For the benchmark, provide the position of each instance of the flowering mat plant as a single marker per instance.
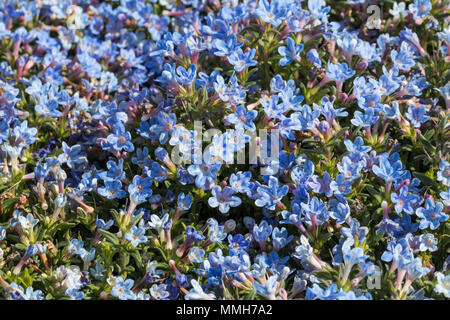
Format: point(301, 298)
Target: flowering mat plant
point(196, 149)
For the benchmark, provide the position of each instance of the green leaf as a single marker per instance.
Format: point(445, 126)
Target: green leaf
point(9, 202)
point(109, 236)
point(137, 257)
point(21, 246)
point(26, 279)
point(377, 195)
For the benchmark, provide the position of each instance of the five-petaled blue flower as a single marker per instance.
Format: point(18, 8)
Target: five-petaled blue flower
point(223, 199)
point(291, 52)
point(136, 236)
point(432, 215)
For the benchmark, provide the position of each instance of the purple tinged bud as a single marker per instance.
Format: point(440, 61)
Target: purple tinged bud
point(21, 61)
point(324, 126)
point(385, 208)
point(362, 65)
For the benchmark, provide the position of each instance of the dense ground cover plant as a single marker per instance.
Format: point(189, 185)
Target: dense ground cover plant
point(114, 184)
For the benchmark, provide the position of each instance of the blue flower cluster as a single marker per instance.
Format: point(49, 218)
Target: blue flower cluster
point(193, 149)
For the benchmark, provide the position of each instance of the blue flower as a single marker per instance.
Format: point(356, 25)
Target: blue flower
point(348, 42)
point(205, 174)
point(159, 292)
point(339, 71)
point(432, 215)
point(445, 90)
point(316, 7)
point(357, 146)
point(241, 60)
point(75, 246)
point(183, 176)
point(355, 231)
point(158, 172)
point(96, 25)
point(286, 126)
point(353, 256)
point(101, 224)
point(115, 171)
point(136, 236)
point(390, 81)
point(237, 243)
point(417, 115)
point(341, 186)
point(398, 10)
point(280, 238)
point(98, 271)
point(184, 76)
point(274, 12)
point(290, 53)
point(74, 294)
point(72, 155)
point(365, 119)
point(317, 293)
point(387, 171)
point(304, 251)
point(48, 108)
point(313, 57)
point(272, 108)
point(141, 158)
point(243, 119)
point(444, 173)
point(415, 86)
point(216, 232)
point(158, 223)
point(269, 289)
point(197, 293)
point(87, 255)
point(29, 222)
point(270, 195)
point(164, 126)
point(140, 189)
point(428, 242)
point(31, 294)
point(184, 202)
point(122, 289)
point(2, 233)
point(395, 251)
point(223, 199)
point(415, 270)
point(315, 211)
point(443, 284)
point(445, 195)
point(196, 254)
point(161, 154)
point(403, 60)
point(291, 100)
point(340, 212)
point(194, 235)
point(262, 232)
point(112, 190)
point(420, 8)
point(389, 226)
point(404, 202)
point(240, 181)
point(120, 139)
point(224, 48)
point(404, 226)
point(322, 185)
